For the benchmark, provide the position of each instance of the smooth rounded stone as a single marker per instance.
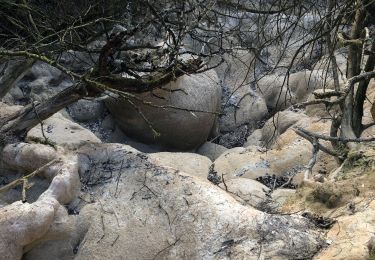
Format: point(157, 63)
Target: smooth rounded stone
point(43, 81)
point(190, 163)
point(108, 123)
point(54, 249)
point(41, 89)
point(249, 109)
point(288, 155)
point(251, 191)
point(175, 128)
point(16, 93)
point(255, 139)
point(7, 110)
point(65, 114)
point(78, 61)
point(118, 136)
point(320, 109)
point(241, 104)
point(25, 225)
point(154, 206)
point(278, 124)
point(281, 195)
point(280, 93)
point(350, 235)
point(28, 157)
point(253, 164)
point(86, 110)
point(40, 69)
point(160, 207)
point(211, 150)
point(61, 131)
point(32, 221)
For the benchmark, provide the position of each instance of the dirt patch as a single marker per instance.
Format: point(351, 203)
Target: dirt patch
point(354, 182)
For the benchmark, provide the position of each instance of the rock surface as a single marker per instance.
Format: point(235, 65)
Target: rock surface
point(254, 163)
point(28, 157)
point(280, 92)
point(241, 103)
point(250, 191)
point(61, 131)
point(174, 215)
point(211, 150)
point(190, 163)
point(288, 154)
point(86, 110)
point(278, 124)
point(170, 213)
point(177, 128)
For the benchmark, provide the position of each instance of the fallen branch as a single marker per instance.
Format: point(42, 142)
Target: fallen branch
point(311, 137)
point(337, 139)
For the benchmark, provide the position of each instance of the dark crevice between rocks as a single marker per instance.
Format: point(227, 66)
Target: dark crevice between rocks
point(212, 175)
point(273, 182)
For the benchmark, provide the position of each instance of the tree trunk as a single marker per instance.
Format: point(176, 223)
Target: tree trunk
point(33, 114)
point(360, 96)
point(353, 69)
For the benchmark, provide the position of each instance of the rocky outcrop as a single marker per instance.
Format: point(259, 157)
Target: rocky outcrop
point(26, 224)
point(172, 112)
point(211, 150)
point(86, 110)
point(41, 82)
point(61, 131)
point(277, 125)
point(131, 202)
point(280, 91)
point(241, 103)
point(191, 163)
point(174, 215)
point(288, 153)
point(251, 192)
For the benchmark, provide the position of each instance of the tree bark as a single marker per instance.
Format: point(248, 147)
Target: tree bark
point(360, 96)
point(353, 69)
point(33, 114)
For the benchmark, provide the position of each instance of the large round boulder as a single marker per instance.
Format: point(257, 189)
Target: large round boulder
point(241, 102)
point(280, 91)
point(172, 112)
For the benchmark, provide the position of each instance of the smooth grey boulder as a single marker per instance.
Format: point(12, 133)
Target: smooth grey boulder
point(172, 112)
